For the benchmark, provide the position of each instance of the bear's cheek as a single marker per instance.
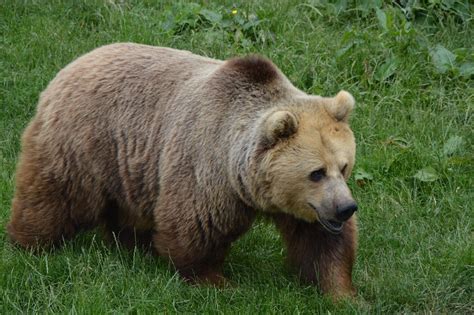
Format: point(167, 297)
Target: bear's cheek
point(306, 214)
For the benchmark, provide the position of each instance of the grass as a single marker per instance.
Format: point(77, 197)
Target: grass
point(412, 77)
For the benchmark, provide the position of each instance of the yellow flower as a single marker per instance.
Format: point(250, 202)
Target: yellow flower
point(234, 11)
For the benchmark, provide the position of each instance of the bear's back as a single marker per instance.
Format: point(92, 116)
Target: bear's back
point(123, 74)
point(106, 110)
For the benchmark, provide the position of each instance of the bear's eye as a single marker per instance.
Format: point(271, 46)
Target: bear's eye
point(317, 175)
point(343, 170)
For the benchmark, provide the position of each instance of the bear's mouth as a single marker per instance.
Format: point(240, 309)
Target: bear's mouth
point(334, 227)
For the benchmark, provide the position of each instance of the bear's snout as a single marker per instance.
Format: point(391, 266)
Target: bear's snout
point(345, 211)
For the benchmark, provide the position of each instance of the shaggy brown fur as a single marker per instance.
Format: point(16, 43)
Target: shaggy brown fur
point(161, 146)
point(320, 257)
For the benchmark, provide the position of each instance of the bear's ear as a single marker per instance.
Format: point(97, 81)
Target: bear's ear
point(341, 106)
point(277, 126)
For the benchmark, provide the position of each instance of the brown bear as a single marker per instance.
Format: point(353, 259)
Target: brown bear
point(160, 146)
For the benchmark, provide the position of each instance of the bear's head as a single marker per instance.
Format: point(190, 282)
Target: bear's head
point(306, 154)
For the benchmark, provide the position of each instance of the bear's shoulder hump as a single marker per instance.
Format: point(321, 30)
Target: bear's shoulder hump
point(253, 68)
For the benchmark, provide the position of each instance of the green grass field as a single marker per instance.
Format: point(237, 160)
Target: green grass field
point(411, 71)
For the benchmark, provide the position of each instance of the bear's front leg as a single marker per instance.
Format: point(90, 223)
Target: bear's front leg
point(320, 257)
point(195, 262)
point(185, 233)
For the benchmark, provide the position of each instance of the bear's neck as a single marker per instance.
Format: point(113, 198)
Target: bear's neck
point(242, 163)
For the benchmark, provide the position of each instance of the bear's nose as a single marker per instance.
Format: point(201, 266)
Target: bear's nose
point(343, 213)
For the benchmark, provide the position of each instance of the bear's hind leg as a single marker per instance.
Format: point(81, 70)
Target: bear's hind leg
point(39, 223)
point(47, 206)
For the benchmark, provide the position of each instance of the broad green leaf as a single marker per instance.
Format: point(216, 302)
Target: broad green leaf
point(466, 69)
point(452, 145)
point(338, 6)
point(367, 5)
point(362, 177)
point(442, 58)
point(211, 16)
point(361, 174)
point(251, 24)
point(386, 70)
point(341, 52)
point(462, 53)
point(427, 174)
point(212, 36)
point(382, 17)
